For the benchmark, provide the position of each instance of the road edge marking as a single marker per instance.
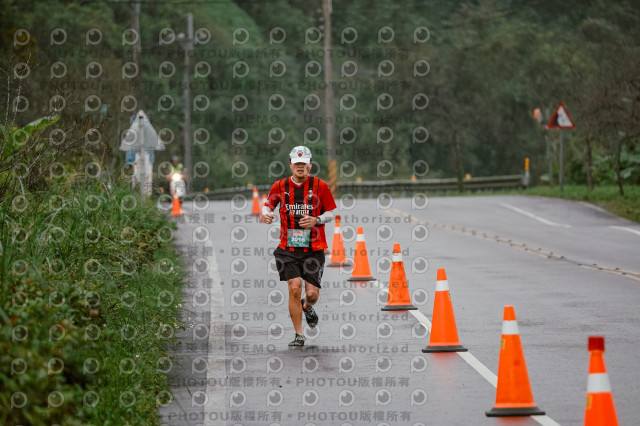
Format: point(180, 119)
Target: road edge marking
point(624, 228)
point(534, 216)
point(216, 365)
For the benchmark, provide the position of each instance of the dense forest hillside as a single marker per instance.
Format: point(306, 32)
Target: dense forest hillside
point(424, 88)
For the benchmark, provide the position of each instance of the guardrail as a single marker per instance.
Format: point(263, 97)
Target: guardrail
point(400, 188)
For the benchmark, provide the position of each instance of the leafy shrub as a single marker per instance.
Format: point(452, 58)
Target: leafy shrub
point(88, 304)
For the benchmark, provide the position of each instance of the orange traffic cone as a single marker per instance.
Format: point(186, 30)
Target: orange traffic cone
point(256, 203)
point(264, 202)
point(444, 333)
point(513, 395)
point(176, 210)
point(600, 409)
point(338, 256)
point(399, 298)
point(361, 270)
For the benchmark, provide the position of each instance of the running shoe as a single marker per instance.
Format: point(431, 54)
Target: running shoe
point(310, 315)
point(298, 340)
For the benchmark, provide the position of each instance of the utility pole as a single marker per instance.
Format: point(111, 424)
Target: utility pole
point(134, 6)
point(328, 98)
point(187, 45)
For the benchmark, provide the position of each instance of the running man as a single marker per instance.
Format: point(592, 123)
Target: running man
point(306, 204)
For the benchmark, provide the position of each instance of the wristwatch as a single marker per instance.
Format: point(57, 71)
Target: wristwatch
point(319, 221)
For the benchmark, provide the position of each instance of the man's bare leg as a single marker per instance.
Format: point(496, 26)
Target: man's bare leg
point(295, 310)
point(312, 293)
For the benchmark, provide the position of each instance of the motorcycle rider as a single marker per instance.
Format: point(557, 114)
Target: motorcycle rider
point(175, 167)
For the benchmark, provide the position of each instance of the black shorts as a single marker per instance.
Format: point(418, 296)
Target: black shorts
point(306, 265)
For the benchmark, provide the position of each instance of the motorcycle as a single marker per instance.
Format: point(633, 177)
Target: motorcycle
point(177, 185)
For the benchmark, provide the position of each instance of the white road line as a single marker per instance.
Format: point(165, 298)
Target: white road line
point(480, 368)
point(593, 207)
point(545, 420)
point(624, 228)
point(534, 216)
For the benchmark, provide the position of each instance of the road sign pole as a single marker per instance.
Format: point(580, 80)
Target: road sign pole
point(549, 157)
point(549, 154)
point(560, 120)
point(560, 168)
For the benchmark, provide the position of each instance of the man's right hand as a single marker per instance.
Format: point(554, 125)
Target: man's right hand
point(268, 218)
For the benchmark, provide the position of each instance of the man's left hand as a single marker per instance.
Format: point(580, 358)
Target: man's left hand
point(308, 221)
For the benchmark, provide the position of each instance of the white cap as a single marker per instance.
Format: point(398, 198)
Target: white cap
point(300, 154)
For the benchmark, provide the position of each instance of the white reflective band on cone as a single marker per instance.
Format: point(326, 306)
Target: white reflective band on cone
point(336, 230)
point(598, 382)
point(360, 237)
point(396, 257)
point(510, 327)
point(442, 285)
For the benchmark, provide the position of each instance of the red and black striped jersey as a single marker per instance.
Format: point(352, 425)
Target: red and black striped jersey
point(311, 197)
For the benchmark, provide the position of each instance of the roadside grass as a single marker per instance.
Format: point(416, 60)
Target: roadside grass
point(606, 196)
point(89, 300)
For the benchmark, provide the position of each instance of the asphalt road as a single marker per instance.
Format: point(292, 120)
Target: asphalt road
point(569, 269)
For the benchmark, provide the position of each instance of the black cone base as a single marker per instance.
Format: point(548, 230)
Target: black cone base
point(448, 348)
point(361, 279)
point(511, 412)
point(336, 264)
point(398, 308)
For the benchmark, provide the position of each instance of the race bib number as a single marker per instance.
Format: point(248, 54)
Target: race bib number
point(298, 237)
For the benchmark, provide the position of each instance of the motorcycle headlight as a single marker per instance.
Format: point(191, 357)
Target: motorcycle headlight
point(176, 177)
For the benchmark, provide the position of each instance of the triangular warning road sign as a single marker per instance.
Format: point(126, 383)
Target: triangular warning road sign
point(560, 119)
